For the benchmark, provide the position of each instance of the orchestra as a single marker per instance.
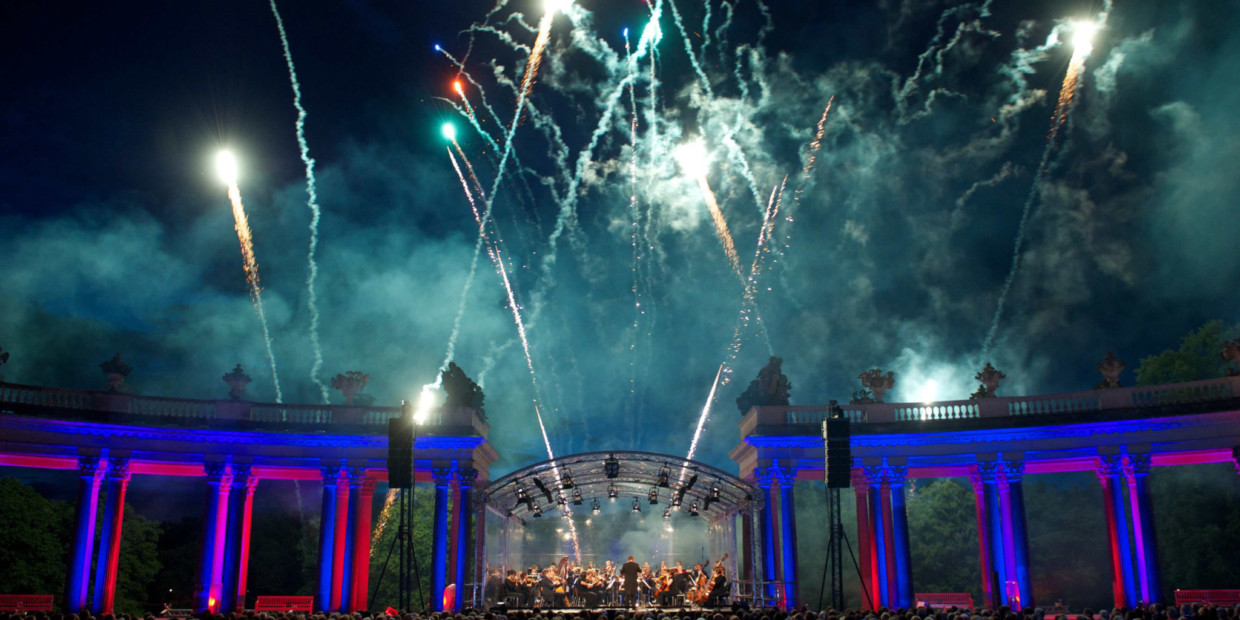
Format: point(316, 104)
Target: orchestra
point(569, 585)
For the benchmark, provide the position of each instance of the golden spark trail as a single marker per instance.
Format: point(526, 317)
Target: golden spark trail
point(1067, 95)
point(469, 110)
point(246, 238)
point(697, 433)
point(810, 161)
point(721, 227)
point(386, 513)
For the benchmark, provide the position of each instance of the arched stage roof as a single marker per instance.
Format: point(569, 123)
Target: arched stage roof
point(637, 474)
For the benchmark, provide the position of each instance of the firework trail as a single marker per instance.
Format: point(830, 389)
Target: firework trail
point(697, 433)
point(635, 228)
point(1082, 42)
point(246, 238)
point(811, 158)
point(313, 203)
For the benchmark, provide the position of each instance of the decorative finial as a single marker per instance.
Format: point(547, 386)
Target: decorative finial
point(116, 369)
point(236, 380)
point(877, 383)
point(350, 384)
point(1110, 367)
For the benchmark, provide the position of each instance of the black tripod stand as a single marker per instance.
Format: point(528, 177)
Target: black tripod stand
point(401, 439)
point(834, 562)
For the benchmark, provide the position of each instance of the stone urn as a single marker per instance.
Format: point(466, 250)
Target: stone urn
point(877, 383)
point(990, 378)
point(350, 384)
point(116, 369)
point(1110, 369)
point(237, 380)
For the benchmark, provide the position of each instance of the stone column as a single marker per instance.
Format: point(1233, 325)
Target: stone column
point(243, 565)
point(878, 548)
point(465, 481)
point(1122, 585)
point(899, 529)
point(983, 545)
point(1013, 474)
point(788, 536)
point(355, 478)
point(865, 539)
point(995, 548)
point(439, 551)
point(90, 475)
point(363, 524)
point(1137, 471)
point(748, 561)
point(327, 536)
point(889, 540)
point(110, 541)
point(214, 528)
point(234, 531)
point(770, 554)
point(340, 546)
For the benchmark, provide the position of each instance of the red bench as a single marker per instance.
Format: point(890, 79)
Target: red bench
point(1209, 597)
point(944, 599)
point(25, 602)
point(284, 603)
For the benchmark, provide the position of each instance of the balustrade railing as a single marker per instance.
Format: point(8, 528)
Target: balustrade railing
point(12, 394)
point(1043, 404)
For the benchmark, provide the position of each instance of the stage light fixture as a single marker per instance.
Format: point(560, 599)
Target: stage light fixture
point(676, 500)
point(595, 508)
point(693, 509)
point(637, 505)
point(653, 496)
point(612, 493)
point(612, 466)
point(537, 511)
point(560, 501)
point(665, 473)
point(577, 499)
point(714, 492)
point(566, 480)
point(667, 514)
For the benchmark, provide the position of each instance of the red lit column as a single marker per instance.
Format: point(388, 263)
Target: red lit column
point(983, 545)
point(110, 542)
point(361, 544)
point(1109, 469)
point(454, 526)
point(888, 543)
point(243, 567)
point(864, 538)
point(341, 529)
point(90, 475)
point(1137, 471)
point(214, 524)
point(234, 533)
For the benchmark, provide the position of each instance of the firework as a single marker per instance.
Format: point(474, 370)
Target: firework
point(227, 166)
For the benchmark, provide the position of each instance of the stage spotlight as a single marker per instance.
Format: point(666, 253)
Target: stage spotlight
point(611, 466)
point(677, 500)
point(577, 499)
point(637, 505)
point(560, 501)
point(693, 509)
point(537, 511)
point(612, 493)
point(595, 508)
point(566, 480)
point(653, 496)
point(665, 472)
point(714, 492)
point(667, 514)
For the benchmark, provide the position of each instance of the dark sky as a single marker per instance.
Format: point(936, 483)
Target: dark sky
point(890, 250)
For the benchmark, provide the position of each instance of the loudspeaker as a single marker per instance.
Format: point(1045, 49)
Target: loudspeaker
point(400, 453)
point(836, 435)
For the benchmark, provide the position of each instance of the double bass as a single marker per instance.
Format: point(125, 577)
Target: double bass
point(702, 587)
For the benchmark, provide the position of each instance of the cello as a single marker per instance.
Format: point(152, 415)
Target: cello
point(702, 588)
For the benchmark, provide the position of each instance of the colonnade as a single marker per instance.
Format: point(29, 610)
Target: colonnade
point(344, 541)
point(779, 532)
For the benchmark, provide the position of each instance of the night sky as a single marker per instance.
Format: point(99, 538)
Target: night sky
point(890, 250)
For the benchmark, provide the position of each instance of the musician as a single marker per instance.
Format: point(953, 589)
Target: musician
point(718, 588)
point(515, 586)
point(630, 572)
point(681, 579)
point(664, 592)
point(547, 585)
point(493, 588)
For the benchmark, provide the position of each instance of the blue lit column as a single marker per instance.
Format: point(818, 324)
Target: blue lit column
point(233, 531)
point(356, 477)
point(788, 535)
point(439, 554)
point(110, 537)
point(875, 476)
point(90, 475)
point(899, 530)
point(1109, 469)
point(988, 473)
point(1013, 473)
point(465, 478)
point(213, 525)
point(764, 477)
point(327, 537)
point(1137, 471)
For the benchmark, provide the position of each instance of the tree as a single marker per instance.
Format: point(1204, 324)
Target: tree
point(138, 565)
point(942, 524)
point(1197, 358)
point(34, 541)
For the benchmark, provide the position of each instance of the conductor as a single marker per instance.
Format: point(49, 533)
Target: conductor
point(630, 572)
